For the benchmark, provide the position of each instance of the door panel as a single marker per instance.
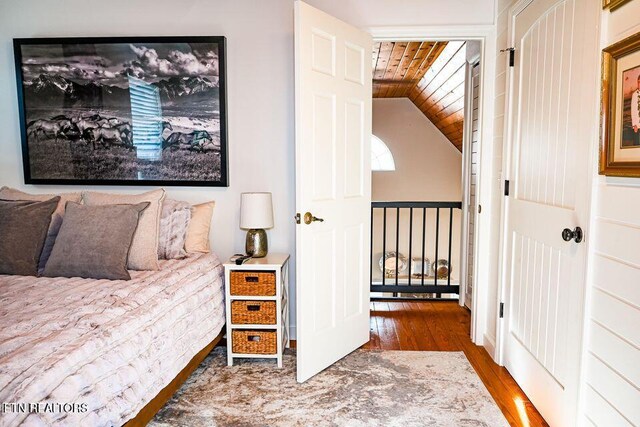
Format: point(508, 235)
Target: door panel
point(550, 174)
point(546, 115)
point(323, 308)
point(353, 302)
point(324, 146)
point(354, 152)
point(354, 63)
point(323, 52)
point(536, 322)
point(333, 182)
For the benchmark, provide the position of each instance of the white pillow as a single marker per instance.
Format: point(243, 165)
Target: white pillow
point(174, 221)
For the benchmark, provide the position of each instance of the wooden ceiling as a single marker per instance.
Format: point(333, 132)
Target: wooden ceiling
point(431, 74)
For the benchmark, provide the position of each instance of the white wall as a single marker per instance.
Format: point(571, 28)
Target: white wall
point(260, 98)
point(260, 82)
point(428, 168)
point(611, 392)
point(260, 93)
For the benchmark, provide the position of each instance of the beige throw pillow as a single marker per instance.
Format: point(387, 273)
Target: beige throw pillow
point(143, 254)
point(7, 193)
point(198, 231)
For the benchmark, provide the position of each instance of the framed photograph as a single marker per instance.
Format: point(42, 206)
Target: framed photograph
point(620, 109)
point(613, 4)
point(123, 110)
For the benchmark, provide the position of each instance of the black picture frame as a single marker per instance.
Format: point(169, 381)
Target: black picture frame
point(18, 43)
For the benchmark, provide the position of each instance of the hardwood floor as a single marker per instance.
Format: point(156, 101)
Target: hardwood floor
point(444, 326)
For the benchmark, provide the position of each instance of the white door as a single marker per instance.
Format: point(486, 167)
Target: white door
point(333, 182)
point(551, 135)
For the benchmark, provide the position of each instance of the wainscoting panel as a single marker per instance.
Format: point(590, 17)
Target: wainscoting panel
point(599, 412)
point(612, 376)
point(615, 389)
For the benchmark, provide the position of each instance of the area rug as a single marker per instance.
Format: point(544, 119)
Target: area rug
point(366, 388)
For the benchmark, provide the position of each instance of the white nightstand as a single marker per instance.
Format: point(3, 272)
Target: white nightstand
point(252, 291)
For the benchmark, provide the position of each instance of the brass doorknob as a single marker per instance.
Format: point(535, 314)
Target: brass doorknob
point(309, 218)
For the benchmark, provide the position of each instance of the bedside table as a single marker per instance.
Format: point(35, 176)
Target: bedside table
point(257, 308)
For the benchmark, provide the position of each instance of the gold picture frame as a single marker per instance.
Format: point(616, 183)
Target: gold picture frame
point(613, 4)
point(619, 121)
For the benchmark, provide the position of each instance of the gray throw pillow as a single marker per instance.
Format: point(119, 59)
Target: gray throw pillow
point(174, 221)
point(94, 241)
point(23, 230)
point(7, 193)
point(144, 249)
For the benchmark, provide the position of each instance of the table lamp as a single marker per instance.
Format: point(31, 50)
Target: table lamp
point(256, 214)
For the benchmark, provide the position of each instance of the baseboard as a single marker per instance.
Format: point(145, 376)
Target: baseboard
point(490, 345)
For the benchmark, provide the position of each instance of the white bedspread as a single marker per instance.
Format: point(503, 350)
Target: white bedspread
point(109, 345)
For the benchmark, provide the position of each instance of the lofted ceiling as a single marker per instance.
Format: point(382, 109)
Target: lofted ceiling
point(431, 74)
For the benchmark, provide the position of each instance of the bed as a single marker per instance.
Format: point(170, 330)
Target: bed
point(115, 349)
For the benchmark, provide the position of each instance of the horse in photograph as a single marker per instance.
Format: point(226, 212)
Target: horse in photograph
point(107, 137)
point(105, 131)
point(198, 141)
point(55, 128)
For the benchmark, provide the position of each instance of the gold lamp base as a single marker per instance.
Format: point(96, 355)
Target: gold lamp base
point(256, 244)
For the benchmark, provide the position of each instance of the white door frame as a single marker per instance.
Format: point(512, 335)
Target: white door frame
point(485, 34)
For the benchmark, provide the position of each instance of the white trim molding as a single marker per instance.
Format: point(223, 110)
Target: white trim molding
point(433, 32)
point(490, 345)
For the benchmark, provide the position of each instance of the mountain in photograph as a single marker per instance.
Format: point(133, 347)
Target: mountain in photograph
point(178, 87)
point(46, 88)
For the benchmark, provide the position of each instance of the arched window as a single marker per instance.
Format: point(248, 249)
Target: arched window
point(381, 157)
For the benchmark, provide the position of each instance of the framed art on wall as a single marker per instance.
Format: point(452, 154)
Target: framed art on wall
point(123, 110)
point(613, 4)
point(620, 109)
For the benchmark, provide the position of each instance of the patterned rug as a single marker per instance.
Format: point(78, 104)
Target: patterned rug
point(366, 388)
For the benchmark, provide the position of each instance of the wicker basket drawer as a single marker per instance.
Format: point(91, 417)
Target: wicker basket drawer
point(254, 342)
point(253, 312)
point(253, 283)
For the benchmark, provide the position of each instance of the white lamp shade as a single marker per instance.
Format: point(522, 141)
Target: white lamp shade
point(256, 210)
